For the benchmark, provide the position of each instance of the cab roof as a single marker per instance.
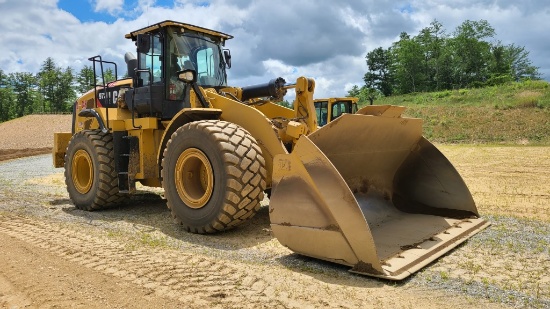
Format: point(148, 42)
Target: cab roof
point(133, 35)
point(352, 99)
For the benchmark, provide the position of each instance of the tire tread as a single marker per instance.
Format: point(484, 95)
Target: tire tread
point(242, 160)
point(107, 194)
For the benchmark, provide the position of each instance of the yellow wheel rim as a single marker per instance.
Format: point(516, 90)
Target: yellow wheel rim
point(83, 171)
point(194, 178)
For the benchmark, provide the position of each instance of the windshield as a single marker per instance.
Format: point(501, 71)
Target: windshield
point(198, 52)
point(340, 107)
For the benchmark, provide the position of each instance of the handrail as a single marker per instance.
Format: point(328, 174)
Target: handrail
point(95, 59)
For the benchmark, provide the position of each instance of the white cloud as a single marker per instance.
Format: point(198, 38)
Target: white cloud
point(277, 67)
point(110, 6)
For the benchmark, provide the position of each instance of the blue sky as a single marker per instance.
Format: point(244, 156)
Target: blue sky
point(84, 12)
point(323, 39)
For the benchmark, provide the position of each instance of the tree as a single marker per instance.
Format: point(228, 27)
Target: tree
point(65, 92)
point(85, 79)
point(364, 94)
point(409, 65)
point(56, 87)
point(355, 91)
point(446, 70)
point(521, 66)
point(379, 75)
point(434, 60)
point(432, 40)
point(472, 52)
point(511, 63)
point(6, 98)
point(24, 87)
point(370, 94)
point(48, 77)
point(109, 75)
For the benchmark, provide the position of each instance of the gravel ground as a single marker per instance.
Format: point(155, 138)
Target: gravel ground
point(508, 263)
point(505, 265)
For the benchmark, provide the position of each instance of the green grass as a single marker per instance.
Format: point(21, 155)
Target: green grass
point(514, 113)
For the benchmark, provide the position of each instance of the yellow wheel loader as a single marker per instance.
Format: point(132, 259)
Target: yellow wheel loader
point(329, 109)
point(366, 190)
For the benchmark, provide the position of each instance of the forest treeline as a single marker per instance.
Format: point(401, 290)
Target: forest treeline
point(435, 60)
point(52, 90)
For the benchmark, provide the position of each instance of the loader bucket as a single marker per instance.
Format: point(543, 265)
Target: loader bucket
point(371, 193)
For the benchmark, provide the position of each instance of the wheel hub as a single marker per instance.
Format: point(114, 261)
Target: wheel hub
point(83, 171)
point(194, 178)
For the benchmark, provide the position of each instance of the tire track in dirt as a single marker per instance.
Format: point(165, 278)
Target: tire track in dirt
point(196, 280)
point(31, 277)
point(199, 281)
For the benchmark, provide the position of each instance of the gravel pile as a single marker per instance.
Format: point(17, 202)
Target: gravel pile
point(32, 131)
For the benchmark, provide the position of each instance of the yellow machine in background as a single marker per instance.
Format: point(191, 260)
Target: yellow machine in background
point(329, 109)
point(366, 191)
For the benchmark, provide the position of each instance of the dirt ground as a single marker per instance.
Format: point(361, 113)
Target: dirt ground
point(55, 256)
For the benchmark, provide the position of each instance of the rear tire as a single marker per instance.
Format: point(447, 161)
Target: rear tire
point(90, 175)
point(213, 174)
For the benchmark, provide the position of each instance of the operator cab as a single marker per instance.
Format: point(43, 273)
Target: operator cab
point(165, 48)
point(329, 109)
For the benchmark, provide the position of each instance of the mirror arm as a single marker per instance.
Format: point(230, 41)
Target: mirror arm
point(199, 95)
point(193, 82)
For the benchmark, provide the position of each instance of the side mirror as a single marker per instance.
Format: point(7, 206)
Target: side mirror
point(227, 57)
point(188, 76)
point(143, 43)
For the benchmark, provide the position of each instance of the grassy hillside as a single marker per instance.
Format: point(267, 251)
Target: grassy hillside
point(515, 113)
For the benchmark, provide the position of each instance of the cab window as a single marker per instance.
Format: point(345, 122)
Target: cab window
point(321, 108)
point(151, 61)
point(340, 107)
point(205, 66)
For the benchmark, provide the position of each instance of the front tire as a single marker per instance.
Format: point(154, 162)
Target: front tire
point(213, 174)
point(90, 175)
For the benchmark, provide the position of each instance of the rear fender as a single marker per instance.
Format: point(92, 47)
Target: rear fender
point(255, 122)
